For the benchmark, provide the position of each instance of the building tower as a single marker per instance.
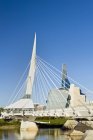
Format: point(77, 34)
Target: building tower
point(65, 81)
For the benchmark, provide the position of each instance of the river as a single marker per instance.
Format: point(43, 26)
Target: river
point(42, 134)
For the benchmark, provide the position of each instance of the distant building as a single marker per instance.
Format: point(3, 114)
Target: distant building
point(39, 107)
point(67, 95)
point(65, 81)
point(60, 98)
point(77, 97)
point(56, 98)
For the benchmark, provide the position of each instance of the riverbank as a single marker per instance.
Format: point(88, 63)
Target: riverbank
point(10, 127)
point(9, 124)
point(50, 122)
point(42, 122)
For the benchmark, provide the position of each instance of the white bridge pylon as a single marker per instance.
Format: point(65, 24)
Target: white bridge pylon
point(26, 102)
point(31, 75)
point(43, 88)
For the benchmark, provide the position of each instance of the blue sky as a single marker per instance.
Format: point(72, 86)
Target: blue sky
point(64, 35)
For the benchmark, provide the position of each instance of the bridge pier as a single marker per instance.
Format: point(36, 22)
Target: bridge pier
point(28, 125)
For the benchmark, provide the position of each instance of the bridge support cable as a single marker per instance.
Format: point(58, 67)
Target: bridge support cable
point(14, 91)
point(43, 89)
point(18, 92)
point(35, 88)
point(46, 80)
point(50, 86)
point(77, 83)
point(44, 85)
point(43, 99)
point(54, 75)
point(37, 91)
point(52, 83)
point(86, 89)
point(43, 82)
point(39, 97)
point(39, 82)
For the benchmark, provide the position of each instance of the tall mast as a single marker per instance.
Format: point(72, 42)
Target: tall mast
point(31, 75)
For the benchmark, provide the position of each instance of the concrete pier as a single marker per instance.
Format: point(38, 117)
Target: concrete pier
point(29, 126)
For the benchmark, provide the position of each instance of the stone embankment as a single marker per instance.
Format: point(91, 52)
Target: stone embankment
point(88, 135)
point(70, 124)
point(82, 129)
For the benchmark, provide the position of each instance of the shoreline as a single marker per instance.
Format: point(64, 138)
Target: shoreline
point(9, 127)
point(9, 124)
point(47, 123)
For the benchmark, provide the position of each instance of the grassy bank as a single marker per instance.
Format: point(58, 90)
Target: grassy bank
point(52, 121)
point(49, 122)
point(4, 124)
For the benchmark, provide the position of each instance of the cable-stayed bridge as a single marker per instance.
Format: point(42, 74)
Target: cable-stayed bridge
point(48, 92)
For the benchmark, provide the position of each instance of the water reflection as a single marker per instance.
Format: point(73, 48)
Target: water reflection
point(27, 135)
point(51, 134)
point(1, 135)
point(5, 134)
point(8, 134)
point(42, 134)
point(75, 138)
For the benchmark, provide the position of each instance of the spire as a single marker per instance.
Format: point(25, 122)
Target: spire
point(65, 81)
point(33, 58)
point(64, 72)
point(31, 75)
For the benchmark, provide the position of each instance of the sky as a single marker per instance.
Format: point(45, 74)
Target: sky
point(64, 30)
